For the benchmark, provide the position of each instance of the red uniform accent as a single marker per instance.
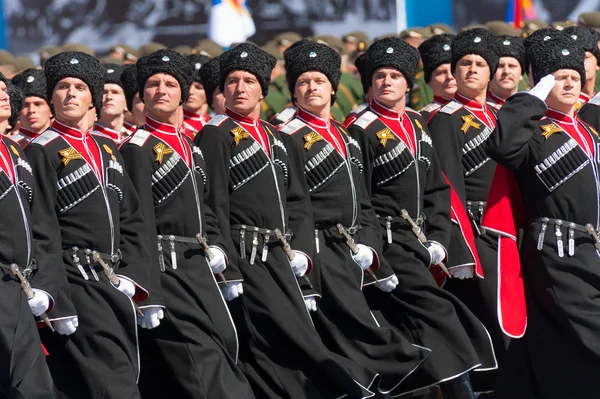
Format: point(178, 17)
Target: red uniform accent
point(195, 121)
point(482, 112)
point(83, 143)
point(130, 128)
point(253, 127)
point(6, 163)
point(325, 128)
point(117, 137)
point(495, 99)
point(573, 127)
point(400, 125)
point(170, 135)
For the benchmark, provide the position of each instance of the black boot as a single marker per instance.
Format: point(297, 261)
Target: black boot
point(458, 388)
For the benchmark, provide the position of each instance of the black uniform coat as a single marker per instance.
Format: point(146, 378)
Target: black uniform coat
point(590, 112)
point(280, 351)
point(23, 369)
point(193, 353)
point(338, 195)
point(432, 317)
point(559, 356)
point(72, 207)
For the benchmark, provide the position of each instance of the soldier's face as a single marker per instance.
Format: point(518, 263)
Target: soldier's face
point(71, 99)
point(139, 111)
point(218, 103)
point(564, 94)
point(442, 82)
point(162, 95)
point(508, 74)
point(313, 91)
point(389, 87)
point(472, 75)
point(36, 114)
point(242, 92)
point(4, 103)
point(591, 65)
point(197, 97)
point(113, 100)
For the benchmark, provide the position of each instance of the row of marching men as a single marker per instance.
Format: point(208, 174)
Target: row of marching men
point(304, 261)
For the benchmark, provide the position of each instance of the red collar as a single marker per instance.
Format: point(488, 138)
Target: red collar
point(584, 98)
point(312, 119)
point(441, 100)
point(154, 125)
point(28, 133)
point(469, 103)
point(561, 117)
point(67, 130)
point(241, 118)
point(191, 115)
point(384, 111)
point(113, 134)
point(495, 99)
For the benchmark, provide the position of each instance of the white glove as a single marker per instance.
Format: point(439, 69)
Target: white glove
point(66, 326)
point(364, 257)
point(126, 287)
point(543, 87)
point(461, 272)
point(436, 252)
point(232, 290)
point(218, 263)
point(311, 303)
point(299, 264)
point(388, 285)
point(152, 317)
point(39, 303)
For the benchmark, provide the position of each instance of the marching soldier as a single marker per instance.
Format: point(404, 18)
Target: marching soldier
point(260, 200)
point(195, 109)
point(546, 183)
point(114, 105)
point(23, 369)
point(436, 55)
point(168, 172)
point(346, 229)
point(404, 180)
point(511, 67)
point(136, 115)
point(36, 115)
point(209, 75)
point(588, 39)
point(87, 219)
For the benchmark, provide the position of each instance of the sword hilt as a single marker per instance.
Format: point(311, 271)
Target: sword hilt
point(29, 292)
point(415, 227)
point(285, 244)
point(591, 231)
point(209, 254)
point(349, 240)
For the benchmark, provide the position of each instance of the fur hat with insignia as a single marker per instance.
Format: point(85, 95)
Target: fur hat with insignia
point(539, 36)
point(435, 51)
point(247, 57)
point(32, 83)
point(392, 52)
point(511, 46)
point(75, 64)
point(550, 56)
point(169, 62)
point(362, 65)
point(112, 74)
point(129, 84)
point(479, 41)
point(586, 37)
point(198, 61)
point(209, 77)
point(304, 56)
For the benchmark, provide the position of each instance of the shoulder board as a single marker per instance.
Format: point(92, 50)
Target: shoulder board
point(139, 137)
point(359, 108)
point(431, 107)
point(451, 107)
point(217, 120)
point(365, 119)
point(408, 109)
point(595, 100)
point(286, 114)
point(293, 126)
point(45, 137)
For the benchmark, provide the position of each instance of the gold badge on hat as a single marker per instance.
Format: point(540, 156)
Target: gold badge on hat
point(310, 139)
point(108, 150)
point(69, 154)
point(550, 129)
point(161, 150)
point(384, 135)
point(239, 134)
point(468, 119)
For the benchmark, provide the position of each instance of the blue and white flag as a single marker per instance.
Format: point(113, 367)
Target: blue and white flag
point(230, 22)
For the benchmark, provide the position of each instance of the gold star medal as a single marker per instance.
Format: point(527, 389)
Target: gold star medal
point(384, 135)
point(14, 150)
point(161, 150)
point(108, 150)
point(69, 154)
point(550, 129)
point(239, 134)
point(468, 119)
point(310, 139)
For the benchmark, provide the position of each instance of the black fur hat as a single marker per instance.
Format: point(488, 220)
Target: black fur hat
point(17, 100)
point(435, 51)
point(311, 56)
point(549, 56)
point(395, 53)
point(478, 41)
point(198, 61)
point(129, 84)
point(169, 62)
point(209, 77)
point(75, 64)
point(538, 36)
point(511, 46)
point(112, 73)
point(362, 65)
point(247, 57)
point(32, 83)
point(586, 37)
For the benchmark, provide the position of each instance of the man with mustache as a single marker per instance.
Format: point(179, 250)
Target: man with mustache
point(511, 66)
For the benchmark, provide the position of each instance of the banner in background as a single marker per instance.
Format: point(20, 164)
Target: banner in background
point(3, 44)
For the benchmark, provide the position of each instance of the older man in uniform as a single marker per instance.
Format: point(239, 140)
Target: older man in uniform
point(511, 67)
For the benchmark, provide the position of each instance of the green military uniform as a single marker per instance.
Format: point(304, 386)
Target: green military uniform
point(277, 100)
point(421, 94)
